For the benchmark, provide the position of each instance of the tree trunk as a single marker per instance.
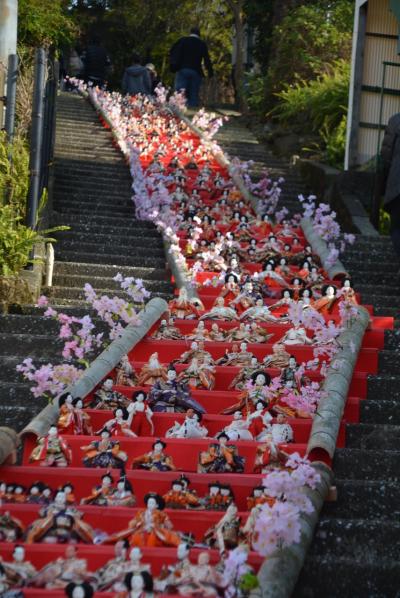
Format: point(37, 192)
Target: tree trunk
point(237, 8)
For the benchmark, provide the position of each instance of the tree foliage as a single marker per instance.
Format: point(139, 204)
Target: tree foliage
point(44, 23)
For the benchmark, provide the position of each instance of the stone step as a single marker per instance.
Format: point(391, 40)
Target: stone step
point(371, 436)
point(110, 259)
point(69, 216)
point(154, 286)
point(66, 293)
point(129, 230)
point(95, 197)
point(388, 361)
point(360, 499)
point(371, 464)
point(38, 324)
point(109, 248)
point(130, 242)
point(28, 344)
point(383, 411)
point(102, 270)
point(83, 207)
point(350, 537)
point(8, 363)
point(385, 385)
point(357, 576)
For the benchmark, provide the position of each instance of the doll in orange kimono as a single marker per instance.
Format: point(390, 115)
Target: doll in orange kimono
point(328, 300)
point(51, 450)
point(182, 307)
point(150, 526)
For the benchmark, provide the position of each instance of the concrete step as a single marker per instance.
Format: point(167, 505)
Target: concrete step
point(356, 537)
point(385, 385)
point(93, 209)
point(367, 464)
point(109, 259)
point(109, 248)
point(362, 499)
point(102, 270)
point(357, 576)
point(130, 242)
point(370, 435)
point(153, 286)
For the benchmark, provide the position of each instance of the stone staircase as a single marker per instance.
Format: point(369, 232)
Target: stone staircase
point(92, 195)
point(356, 548)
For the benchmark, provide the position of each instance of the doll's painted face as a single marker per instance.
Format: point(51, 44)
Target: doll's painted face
point(171, 374)
point(108, 384)
point(257, 492)
point(259, 406)
point(107, 481)
point(52, 432)
point(237, 415)
point(330, 291)
point(158, 447)
point(259, 303)
point(19, 554)
point(79, 404)
point(60, 499)
point(182, 551)
point(119, 413)
point(140, 397)
point(151, 504)
point(243, 346)
point(292, 362)
point(135, 554)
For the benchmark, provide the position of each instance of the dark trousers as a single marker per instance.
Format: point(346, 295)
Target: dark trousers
point(393, 208)
point(190, 81)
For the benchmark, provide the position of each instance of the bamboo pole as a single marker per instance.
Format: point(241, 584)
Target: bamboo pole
point(279, 572)
point(102, 365)
point(9, 442)
point(325, 428)
point(319, 246)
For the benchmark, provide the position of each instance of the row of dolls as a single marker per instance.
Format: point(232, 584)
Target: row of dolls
point(246, 302)
point(221, 456)
point(126, 573)
point(110, 493)
point(150, 526)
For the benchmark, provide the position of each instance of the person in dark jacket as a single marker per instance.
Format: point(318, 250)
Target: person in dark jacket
point(390, 173)
point(136, 78)
point(96, 63)
point(186, 58)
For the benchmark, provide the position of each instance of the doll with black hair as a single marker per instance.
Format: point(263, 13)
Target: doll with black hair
point(180, 498)
point(221, 457)
point(120, 424)
point(105, 452)
point(260, 380)
point(79, 590)
point(123, 495)
point(107, 398)
point(155, 460)
point(138, 585)
point(150, 527)
point(101, 493)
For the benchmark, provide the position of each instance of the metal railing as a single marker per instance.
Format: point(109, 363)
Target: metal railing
point(46, 80)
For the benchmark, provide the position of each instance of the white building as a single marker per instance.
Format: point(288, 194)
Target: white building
point(375, 77)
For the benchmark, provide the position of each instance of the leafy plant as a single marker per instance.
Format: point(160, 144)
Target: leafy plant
point(14, 173)
point(335, 142)
point(17, 241)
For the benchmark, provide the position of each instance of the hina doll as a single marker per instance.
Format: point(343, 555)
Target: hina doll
point(107, 398)
point(269, 457)
point(142, 415)
point(150, 527)
point(217, 335)
point(100, 494)
point(59, 523)
point(105, 452)
point(114, 570)
point(125, 374)
point(200, 333)
point(182, 307)
point(51, 450)
point(225, 534)
point(221, 457)
point(260, 380)
point(172, 396)
point(138, 585)
point(284, 302)
point(238, 429)
point(196, 351)
point(18, 572)
point(34, 494)
point(120, 424)
point(179, 498)
point(279, 357)
point(11, 528)
point(171, 575)
point(238, 334)
point(155, 460)
point(190, 428)
point(231, 289)
point(82, 420)
point(296, 336)
point(201, 579)
point(237, 359)
point(258, 334)
point(258, 313)
point(258, 496)
point(220, 312)
point(327, 302)
point(270, 277)
point(347, 292)
point(82, 590)
point(62, 571)
point(167, 331)
point(240, 380)
point(65, 423)
point(152, 372)
point(246, 298)
point(198, 375)
point(122, 495)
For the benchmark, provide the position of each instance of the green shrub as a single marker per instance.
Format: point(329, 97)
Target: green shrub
point(14, 173)
point(17, 241)
point(335, 142)
point(321, 101)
